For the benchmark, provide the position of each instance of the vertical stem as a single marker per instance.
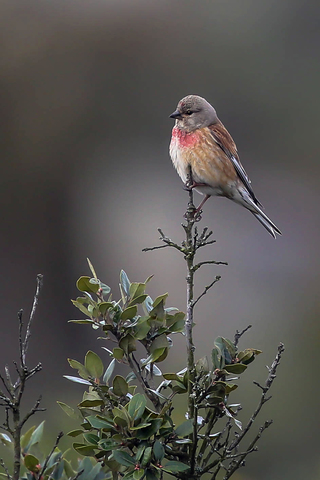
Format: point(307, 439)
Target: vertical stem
point(16, 443)
point(190, 253)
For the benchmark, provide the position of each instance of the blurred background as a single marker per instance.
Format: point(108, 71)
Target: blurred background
point(86, 89)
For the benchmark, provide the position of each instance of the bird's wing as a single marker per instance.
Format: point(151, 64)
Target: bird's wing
point(223, 138)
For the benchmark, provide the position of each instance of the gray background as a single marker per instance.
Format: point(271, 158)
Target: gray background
point(85, 93)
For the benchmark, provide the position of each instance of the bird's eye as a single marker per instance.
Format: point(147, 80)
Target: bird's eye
point(189, 112)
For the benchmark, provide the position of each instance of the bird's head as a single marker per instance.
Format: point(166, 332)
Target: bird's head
point(194, 112)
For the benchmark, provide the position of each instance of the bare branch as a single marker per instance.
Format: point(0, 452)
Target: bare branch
point(25, 343)
point(34, 409)
point(208, 262)
point(3, 465)
point(41, 473)
point(263, 399)
point(218, 277)
point(239, 334)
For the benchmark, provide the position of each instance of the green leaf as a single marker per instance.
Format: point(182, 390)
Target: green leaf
point(235, 368)
point(125, 282)
point(157, 355)
point(84, 285)
point(158, 451)
point(185, 428)
point(227, 349)
point(5, 440)
point(123, 458)
point(81, 307)
point(36, 435)
point(128, 344)
point(82, 322)
point(202, 366)
point(77, 380)
point(137, 406)
point(148, 432)
point(105, 289)
point(74, 433)
point(138, 300)
point(215, 356)
point(91, 438)
point(120, 386)
point(178, 327)
point(136, 290)
point(146, 457)
point(99, 423)
point(91, 403)
point(172, 376)
point(83, 372)
point(159, 342)
point(92, 269)
point(68, 410)
point(85, 450)
point(118, 353)
point(129, 312)
point(141, 330)
point(140, 426)
point(138, 474)
point(32, 463)
point(174, 467)
point(104, 307)
point(25, 439)
point(108, 373)
point(93, 364)
point(152, 474)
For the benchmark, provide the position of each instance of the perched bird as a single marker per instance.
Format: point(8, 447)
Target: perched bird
point(200, 141)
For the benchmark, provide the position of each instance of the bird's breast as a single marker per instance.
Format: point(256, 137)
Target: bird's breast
point(209, 163)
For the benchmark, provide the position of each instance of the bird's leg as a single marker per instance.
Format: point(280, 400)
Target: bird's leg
point(198, 210)
point(190, 185)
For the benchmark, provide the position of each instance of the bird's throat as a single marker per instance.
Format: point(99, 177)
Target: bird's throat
point(183, 138)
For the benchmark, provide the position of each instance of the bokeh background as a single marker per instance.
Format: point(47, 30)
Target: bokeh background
point(86, 88)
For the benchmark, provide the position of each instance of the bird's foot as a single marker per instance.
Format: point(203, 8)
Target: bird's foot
point(191, 185)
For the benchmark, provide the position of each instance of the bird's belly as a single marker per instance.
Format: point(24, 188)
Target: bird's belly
point(207, 168)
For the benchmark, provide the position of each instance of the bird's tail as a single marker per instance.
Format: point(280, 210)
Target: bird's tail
point(266, 222)
point(247, 201)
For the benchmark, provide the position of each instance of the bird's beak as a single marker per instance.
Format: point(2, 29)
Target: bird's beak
point(176, 114)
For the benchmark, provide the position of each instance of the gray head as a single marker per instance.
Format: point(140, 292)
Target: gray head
point(194, 112)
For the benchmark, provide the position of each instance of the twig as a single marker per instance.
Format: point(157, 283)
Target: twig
point(3, 465)
point(78, 475)
point(263, 399)
point(208, 262)
point(34, 409)
point(167, 241)
point(218, 277)
point(252, 448)
point(25, 343)
point(41, 473)
point(239, 334)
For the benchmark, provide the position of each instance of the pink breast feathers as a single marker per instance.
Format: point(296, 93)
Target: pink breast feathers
point(184, 139)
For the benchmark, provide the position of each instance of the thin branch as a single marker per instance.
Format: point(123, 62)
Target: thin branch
point(239, 334)
point(168, 243)
point(25, 343)
point(41, 473)
point(263, 399)
point(34, 409)
point(3, 465)
point(78, 475)
point(208, 262)
point(252, 448)
point(218, 277)
point(144, 384)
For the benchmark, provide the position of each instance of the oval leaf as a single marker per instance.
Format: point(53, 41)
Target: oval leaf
point(120, 386)
point(93, 364)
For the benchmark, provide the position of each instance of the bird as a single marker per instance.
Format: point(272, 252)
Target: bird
point(202, 147)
